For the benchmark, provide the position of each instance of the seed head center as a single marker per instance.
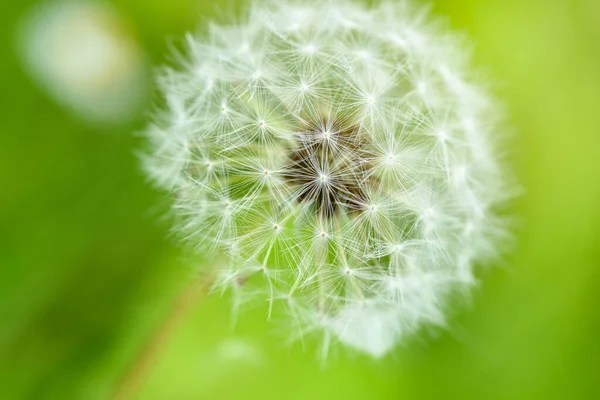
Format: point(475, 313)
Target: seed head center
point(329, 175)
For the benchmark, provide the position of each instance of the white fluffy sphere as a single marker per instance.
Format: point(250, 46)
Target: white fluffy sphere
point(334, 159)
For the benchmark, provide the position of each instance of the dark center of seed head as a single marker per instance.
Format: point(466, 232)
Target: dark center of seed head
point(329, 169)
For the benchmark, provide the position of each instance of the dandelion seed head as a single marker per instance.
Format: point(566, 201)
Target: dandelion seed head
point(342, 156)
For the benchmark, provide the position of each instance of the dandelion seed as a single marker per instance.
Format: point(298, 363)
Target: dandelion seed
point(309, 49)
point(356, 176)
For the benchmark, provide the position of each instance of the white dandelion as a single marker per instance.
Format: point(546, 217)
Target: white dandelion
point(335, 159)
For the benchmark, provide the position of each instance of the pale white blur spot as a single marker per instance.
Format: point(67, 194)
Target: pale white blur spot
point(239, 350)
point(84, 56)
point(227, 359)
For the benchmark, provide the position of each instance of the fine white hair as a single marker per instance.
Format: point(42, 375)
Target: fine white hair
point(338, 160)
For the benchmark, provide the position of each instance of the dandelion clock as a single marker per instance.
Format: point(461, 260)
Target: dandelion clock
point(336, 162)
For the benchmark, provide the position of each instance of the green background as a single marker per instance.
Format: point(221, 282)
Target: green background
point(88, 272)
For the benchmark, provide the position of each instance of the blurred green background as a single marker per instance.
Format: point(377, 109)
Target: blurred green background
point(88, 272)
